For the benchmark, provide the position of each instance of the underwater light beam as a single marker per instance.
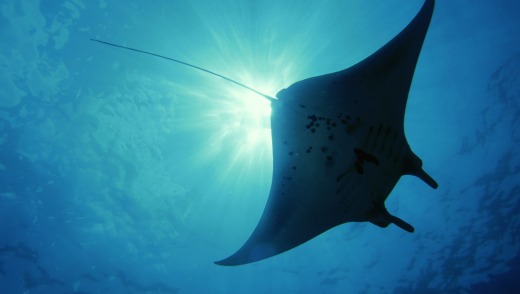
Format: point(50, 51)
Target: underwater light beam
point(271, 99)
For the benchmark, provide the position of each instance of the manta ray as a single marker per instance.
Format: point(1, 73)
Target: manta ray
point(339, 147)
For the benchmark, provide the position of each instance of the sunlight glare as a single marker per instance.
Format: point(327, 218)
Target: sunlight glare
point(252, 118)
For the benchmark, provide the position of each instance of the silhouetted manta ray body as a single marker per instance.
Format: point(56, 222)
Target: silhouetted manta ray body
point(339, 147)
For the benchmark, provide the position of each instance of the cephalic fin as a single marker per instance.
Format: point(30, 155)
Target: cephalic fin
point(421, 174)
point(382, 218)
point(412, 165)
point(401, 223)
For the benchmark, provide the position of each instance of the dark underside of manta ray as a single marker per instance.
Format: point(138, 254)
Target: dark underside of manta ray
point(339, 148)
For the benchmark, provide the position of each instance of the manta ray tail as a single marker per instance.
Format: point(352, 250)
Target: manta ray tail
point(187, 64)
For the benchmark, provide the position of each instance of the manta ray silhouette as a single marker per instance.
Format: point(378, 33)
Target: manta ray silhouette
point(339, 147)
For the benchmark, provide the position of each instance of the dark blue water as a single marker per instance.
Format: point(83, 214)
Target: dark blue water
point(123, 173)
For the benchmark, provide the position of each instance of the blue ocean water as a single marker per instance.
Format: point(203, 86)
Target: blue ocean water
point(124, 173)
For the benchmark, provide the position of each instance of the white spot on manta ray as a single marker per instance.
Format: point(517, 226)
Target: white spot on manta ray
point(339, 146)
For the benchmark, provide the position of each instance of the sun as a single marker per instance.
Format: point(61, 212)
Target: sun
point(246, 121)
